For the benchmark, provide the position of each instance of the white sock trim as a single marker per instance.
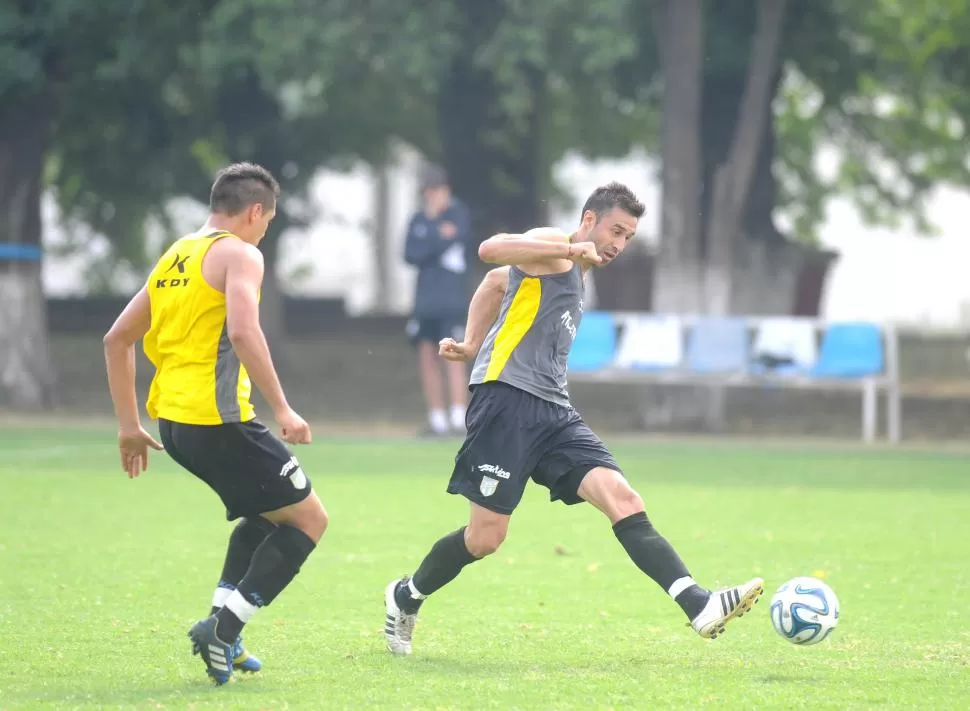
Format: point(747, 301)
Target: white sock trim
point(414, 591)
point(220, 596)
point(240, 607)
point(680, 585)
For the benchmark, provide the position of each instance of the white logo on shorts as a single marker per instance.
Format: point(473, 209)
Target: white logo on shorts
point(493, 469)
point(488, 486)
point(294, 471)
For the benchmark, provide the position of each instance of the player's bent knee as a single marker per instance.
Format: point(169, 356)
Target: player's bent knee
point(484, 545)
point(626, 502)
point(610, 492)
point(308, 516)
point(317, 518)
point(482, 541)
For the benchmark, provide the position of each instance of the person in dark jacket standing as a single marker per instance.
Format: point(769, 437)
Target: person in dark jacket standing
point(437, 242)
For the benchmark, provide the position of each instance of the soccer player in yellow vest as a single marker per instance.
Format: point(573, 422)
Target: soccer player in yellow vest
point(198, 316)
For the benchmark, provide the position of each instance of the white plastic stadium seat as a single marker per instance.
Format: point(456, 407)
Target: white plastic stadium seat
point(651, 343)
point(787, 340)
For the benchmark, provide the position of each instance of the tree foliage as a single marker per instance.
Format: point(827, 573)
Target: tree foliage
point(875, 84)
point(232, 82)
point(304, 84)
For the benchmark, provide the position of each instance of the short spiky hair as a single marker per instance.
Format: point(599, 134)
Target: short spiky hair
point(607, 197)
point(240, 185)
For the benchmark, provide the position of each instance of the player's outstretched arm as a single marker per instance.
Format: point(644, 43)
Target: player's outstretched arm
point(538, 245)
point(547, 248)
point(244, 275)
point(119, 357)
point(482, 312)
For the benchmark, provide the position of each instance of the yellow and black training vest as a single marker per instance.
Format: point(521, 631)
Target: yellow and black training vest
point(198, 377)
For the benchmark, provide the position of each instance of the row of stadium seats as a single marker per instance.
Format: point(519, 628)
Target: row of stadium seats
point(724, 345)
point(797, 352)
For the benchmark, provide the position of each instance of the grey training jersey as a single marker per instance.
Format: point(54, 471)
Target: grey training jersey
point(528, 345)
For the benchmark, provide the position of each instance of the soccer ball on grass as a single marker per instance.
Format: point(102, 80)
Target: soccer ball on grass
point(804, 611)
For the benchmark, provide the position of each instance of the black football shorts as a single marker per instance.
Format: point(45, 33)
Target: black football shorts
point(250, 469)
point(514, 436)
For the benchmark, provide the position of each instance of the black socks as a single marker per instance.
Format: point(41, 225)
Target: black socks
point(442, 565)
point(650, 551)
point(243, 542)
point(654, 555)
point(275, 563)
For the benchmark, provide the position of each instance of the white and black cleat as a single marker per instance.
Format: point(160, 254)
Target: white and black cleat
point(398, 624)
point(725, 605)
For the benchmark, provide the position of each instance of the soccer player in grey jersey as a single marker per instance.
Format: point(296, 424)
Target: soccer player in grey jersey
point(521, 424)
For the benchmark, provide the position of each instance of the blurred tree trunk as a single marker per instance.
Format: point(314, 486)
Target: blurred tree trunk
point(678, 283)
point(679, 274)
point(729, 248)
point(733, 178)
point(771, 274)
point(718, 192)
point(494, 166)
point(381, 240)
point(26, 370)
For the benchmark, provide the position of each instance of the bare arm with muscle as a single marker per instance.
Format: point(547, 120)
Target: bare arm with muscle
point(543, 250)
point(482, 312)
point(119, 356)
point(244, 275)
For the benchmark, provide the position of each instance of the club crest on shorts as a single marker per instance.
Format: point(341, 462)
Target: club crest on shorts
point(488, 486)
point(294, 472)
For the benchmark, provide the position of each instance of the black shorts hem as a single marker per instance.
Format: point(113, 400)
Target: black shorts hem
point(566, 489)
point(482, 501)
point(251, 470)
point(245, 512)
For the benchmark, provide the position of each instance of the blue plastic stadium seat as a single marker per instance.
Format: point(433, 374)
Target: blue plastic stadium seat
point(850, 350)
point(595, 342)
point(718, 345)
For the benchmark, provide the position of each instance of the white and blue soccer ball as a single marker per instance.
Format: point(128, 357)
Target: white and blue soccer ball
point(804, 611)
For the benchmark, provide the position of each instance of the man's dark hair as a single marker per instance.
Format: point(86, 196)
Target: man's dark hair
point(240, 185)
point(607, 197)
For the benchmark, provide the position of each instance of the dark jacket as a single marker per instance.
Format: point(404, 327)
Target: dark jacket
point(442, 287)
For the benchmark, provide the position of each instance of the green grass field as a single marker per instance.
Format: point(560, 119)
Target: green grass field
point(100, 578)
